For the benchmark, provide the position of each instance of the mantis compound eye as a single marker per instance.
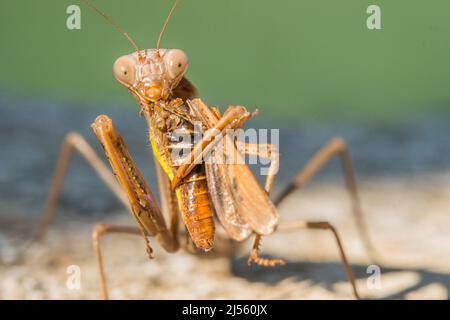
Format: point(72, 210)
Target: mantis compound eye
point(177, 62)
point(125, 71)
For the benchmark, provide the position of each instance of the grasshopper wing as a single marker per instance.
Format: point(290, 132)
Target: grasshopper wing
point(241, 204)
point(222, 198)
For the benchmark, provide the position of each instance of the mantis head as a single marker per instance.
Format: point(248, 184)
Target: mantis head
point(151, 75)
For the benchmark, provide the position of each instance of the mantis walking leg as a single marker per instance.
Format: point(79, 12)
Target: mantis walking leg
point(99, 231)
point(323, 225)
point(255, 257)
point(74, 142)
point(336, 147)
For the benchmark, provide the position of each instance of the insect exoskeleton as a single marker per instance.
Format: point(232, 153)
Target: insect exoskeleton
point(191, 173)
point(153, 76)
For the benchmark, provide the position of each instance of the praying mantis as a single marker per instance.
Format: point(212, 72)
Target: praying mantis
point(198, 191)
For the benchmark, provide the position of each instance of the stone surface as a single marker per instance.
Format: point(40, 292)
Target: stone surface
point(408, 224)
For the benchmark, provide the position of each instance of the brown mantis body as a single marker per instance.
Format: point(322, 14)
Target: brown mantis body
point(195, 189)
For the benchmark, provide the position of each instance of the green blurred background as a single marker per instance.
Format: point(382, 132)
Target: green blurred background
point(309, 59)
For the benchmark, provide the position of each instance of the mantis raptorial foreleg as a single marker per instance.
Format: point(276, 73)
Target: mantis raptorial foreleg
point(168, 204)
point(231, 119)
point(117, 153)
point(75, 142)
point(143, 205)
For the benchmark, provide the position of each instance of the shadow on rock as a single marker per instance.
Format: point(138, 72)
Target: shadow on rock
point(327, 274)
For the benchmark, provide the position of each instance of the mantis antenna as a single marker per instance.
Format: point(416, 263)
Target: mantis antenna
point(166, 23)
point(113, 23)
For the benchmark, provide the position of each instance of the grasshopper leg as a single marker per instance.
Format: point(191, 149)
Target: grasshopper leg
point(267, 151)
point(336, 147)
